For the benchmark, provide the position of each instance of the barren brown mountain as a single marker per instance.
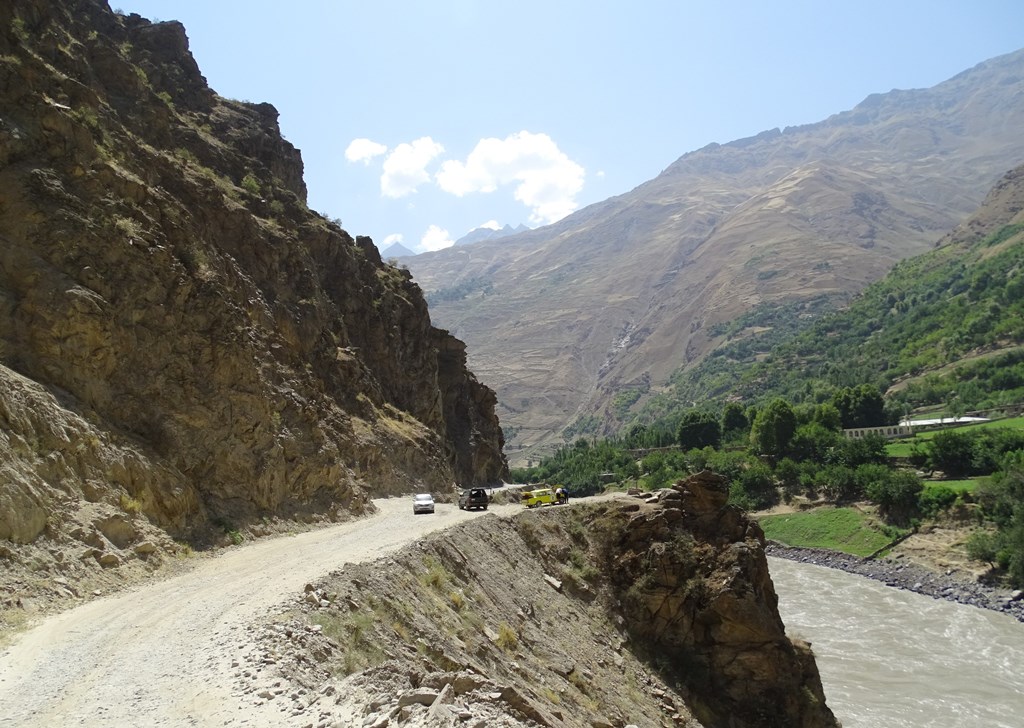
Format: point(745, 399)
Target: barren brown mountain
point(620, 294)
point(186, 350)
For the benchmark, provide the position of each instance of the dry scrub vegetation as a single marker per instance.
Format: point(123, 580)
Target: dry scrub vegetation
point(502, 614)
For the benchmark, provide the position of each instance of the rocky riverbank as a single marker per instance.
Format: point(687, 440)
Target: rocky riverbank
point(896, 572)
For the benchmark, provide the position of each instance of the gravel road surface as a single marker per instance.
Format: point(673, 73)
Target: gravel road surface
point(168, 653)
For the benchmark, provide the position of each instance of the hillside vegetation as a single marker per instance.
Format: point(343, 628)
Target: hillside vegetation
point(943, 328)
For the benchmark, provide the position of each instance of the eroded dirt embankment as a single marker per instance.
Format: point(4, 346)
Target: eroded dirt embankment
point(470, 627)
point(652, 612)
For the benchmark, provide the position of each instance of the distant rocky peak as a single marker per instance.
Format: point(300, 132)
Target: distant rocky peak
point(485, 233)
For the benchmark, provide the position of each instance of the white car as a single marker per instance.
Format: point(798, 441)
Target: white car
point(423, 503)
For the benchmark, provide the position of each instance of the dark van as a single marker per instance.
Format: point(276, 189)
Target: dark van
point(473, 498)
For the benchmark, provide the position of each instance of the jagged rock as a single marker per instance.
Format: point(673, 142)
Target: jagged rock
point(23, 509)
point(108, 560)
point(696, 590)
point(421, 696)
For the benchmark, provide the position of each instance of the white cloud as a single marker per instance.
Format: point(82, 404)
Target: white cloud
point(392, 239)
point(490, 225)
point(436, 238)
point(546, 180)
point(363, 150)
point(405, 167)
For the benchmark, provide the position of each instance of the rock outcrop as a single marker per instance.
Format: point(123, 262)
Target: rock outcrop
point(186, 350)
point(691, 575)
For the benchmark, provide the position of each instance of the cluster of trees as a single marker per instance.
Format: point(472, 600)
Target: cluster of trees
point(769, 453)
point(1002, 499)
point(772, 428)
point(968, 453)
point(780, 451)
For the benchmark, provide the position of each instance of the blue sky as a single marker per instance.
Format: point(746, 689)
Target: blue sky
point(419, 121)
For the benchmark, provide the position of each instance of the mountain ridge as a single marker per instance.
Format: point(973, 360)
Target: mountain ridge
point(622, 293)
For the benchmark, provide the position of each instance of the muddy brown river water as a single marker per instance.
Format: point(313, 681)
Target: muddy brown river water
point(895, 659)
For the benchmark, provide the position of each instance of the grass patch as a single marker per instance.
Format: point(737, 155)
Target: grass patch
point(838, 529)
point(129, 504)
point(901, 448)
point(436, 576)
point(957, 486)
point(356, 634)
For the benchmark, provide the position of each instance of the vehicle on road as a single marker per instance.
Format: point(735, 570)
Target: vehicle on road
point(422, 503)
point(538, 497)
point(472, 498)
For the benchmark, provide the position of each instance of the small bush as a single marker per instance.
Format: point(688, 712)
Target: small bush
point(250, 184)
point(936, 499)
point(507, 639)
point(129, 504)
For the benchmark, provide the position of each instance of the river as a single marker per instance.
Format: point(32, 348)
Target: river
point(894, 659)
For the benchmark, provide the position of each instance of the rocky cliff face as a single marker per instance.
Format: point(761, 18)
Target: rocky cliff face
point(692, 578)
point(185, 348)
point(657, 611)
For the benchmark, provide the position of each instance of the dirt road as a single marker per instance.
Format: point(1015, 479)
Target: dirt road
point(168, 653)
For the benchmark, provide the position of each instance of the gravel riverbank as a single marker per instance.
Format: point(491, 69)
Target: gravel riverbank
point(897, 573)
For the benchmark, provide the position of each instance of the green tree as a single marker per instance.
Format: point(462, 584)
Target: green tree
point(773, 428)
point(897, 496)
point(950, 451)
point(1002, 500)
point(860, 406)
point(837, 483)
point(854, 452)
point(813, 442)
point(734, 420)
point(698, 429)
point(828, 416)
point(788, 474)
point(758, 485)
point(867, 474)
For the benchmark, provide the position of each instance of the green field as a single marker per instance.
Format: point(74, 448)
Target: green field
point(839, 529)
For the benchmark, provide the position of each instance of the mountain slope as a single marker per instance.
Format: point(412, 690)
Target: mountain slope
point(619, 295)
point(185, 348)
point(954, 311)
